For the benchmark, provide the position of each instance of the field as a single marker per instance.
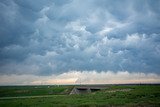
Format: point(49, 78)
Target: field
point(58, 96)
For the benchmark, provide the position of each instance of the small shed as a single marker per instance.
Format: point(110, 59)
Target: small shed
point(86, 89)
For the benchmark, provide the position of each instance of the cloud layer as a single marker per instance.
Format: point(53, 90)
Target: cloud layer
point(52, 37)
point(85, 77)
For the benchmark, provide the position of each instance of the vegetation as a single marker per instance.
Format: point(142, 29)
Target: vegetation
point(15, 91)
point(116, 95)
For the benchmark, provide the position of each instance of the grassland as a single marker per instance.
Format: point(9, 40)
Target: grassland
point(54, 96)
point(16, 91)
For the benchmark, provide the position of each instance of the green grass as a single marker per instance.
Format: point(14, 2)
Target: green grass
point(15, 91)
point(138, 95)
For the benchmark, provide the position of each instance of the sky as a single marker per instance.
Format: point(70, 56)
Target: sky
point(75, 41)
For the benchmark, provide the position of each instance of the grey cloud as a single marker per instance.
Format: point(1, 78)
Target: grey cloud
point(52, 37)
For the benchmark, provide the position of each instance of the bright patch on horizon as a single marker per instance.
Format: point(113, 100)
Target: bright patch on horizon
point(82, 77)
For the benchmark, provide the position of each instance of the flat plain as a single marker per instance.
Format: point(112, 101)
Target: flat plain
point(141, 95)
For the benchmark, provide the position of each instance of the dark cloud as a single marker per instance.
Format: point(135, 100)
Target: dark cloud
point(51, 37)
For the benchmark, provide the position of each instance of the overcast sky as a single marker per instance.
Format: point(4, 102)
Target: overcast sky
point(57, 37)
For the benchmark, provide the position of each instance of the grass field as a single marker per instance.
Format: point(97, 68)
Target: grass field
point(53, 96)
point(15, 91)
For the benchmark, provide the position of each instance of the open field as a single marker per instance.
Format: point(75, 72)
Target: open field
point(53, 96)
point(15, 91)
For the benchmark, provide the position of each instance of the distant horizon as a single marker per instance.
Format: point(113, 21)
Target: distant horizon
point(84, 84)
point(78, 77)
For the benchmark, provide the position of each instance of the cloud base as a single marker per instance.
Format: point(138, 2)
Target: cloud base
point(52, 37)
point(82, 77)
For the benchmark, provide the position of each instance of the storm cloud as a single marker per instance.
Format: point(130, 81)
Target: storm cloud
point(44, 37)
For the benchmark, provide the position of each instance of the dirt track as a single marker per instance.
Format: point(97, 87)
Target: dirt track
point(21, 97)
